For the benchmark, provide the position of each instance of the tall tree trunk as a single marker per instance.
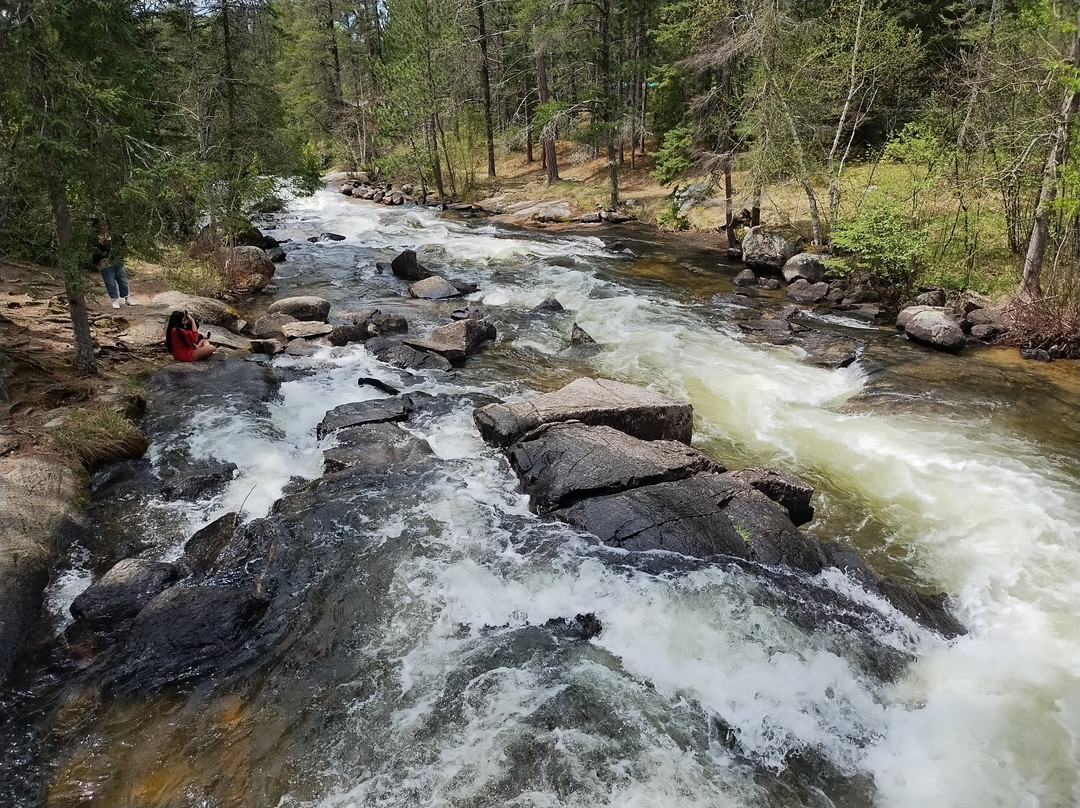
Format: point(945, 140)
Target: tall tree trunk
point(834, 174)
point(485, 79)
point(436, 169)
point(1031, 279)
point(547, 132)
point(58, 201)
point(607, 101)
point(335, 63)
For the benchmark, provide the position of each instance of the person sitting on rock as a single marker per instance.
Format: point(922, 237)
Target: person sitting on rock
point(183, 339)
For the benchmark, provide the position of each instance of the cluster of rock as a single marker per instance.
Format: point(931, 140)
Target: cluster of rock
point(385, 192)
point(615, 461)
point(925, 320)
point(930, 322)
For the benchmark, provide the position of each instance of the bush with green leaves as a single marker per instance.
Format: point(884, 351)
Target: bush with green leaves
point(881, 240)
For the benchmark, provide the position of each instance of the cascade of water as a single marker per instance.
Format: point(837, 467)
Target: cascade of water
point(696, 692)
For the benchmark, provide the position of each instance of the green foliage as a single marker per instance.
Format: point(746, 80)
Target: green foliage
point(673, 156)
point(669, 218)
point(882, 241)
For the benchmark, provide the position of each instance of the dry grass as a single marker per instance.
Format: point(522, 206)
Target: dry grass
point(97, 436)
point(178, 271)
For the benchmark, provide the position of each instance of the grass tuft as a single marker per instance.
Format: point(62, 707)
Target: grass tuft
point(97, 436)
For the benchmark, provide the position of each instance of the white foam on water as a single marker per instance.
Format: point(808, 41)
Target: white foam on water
point(990, 719)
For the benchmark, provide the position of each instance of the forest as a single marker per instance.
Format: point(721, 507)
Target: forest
point(930, 143)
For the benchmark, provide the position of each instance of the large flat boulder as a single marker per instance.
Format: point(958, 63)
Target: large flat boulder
point(306, 329)
point(434, 288)
point(376, 447)
point(626, 407)
point(565, 462)
point(936, 329)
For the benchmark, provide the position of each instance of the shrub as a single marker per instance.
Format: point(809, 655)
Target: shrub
point(880, 240)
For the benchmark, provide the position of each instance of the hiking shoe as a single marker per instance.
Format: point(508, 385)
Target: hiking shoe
point(116, 303)
point(129, 301)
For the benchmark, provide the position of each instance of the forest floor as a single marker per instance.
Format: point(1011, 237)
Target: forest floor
point(37, 361)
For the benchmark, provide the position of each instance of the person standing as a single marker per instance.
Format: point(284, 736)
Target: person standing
point(108, 257)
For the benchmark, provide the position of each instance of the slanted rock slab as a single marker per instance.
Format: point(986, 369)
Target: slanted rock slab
point(565, 462)
point(783, 488)
point(683, 516)
point(376, 447)
point(404, 356)
point(356, 413)
point(626, 407)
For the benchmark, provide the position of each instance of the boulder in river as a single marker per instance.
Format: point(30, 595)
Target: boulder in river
point(626, 407)
point(455, 341)
point(807, 266)
point(403, 356)
point(745, 278)
point(782, 487)
point(306, 329)
point(406, 267)
point(245, 269)
point(434, 288)
point(305, 307)
point(936, 329)
point(564, 462)
point(356, 413)
point(123, 591)
point(802, 291)
point(183, 633)
point(375, 447)
point(270, 326)
point(193, 483)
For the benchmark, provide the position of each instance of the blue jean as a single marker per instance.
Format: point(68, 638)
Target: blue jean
point(115, 281)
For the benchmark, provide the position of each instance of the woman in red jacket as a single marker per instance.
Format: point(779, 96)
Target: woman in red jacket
point(183, 339)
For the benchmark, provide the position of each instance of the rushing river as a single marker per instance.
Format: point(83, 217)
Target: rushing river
point(411, 666)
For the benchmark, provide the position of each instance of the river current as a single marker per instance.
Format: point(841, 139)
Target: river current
point(949, 474)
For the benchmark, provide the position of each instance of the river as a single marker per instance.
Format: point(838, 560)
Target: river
point(411, 666)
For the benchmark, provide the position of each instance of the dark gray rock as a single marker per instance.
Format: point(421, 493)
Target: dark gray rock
point(201, 551)
point(456, 341)
point(782, 487)
point(934, 297)
point(123, 591)
point(985, 333)
point(768, 283)
point(195, 483)
point(735, 300)
point(276, 255)
point(684, 516)
point(561, 463)
point(182, 634)
point(395, 353)
point(772, 537)
point(356, 413)
point(331, 237)
point(589, 218)
point(745, 278)
point(550, 305)
point(579, 337)
point(802, 291)
point(306, 307)
point(344, 334)
point(434, 288)
point(270, 326)
point(989, 317)
point(807, 266)
point(269, 347)
point(375, 447)
point(633, 410)
point(1035, 354)
point(406, 267)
